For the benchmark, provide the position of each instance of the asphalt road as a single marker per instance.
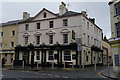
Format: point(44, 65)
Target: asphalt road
point(77, 74)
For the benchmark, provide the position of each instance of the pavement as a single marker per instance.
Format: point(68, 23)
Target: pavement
point(104, 73)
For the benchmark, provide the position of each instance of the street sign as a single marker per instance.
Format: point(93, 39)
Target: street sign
point(116, 57)
point(79, 44)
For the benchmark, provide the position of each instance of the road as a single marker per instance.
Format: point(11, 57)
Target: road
point(56, 75)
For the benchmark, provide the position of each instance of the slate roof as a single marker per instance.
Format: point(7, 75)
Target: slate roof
point(15, 22)
point(69, 13)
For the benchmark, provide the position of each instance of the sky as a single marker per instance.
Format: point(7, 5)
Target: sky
point(11, 10)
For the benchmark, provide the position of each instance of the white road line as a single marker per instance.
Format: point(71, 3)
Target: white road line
point(43, 74)
point(65, 77)
point(57, 76)
point(49, 75)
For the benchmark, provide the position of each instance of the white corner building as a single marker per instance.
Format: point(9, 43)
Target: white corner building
point(52, 38)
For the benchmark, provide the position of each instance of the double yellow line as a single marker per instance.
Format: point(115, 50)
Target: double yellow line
point(99, 74)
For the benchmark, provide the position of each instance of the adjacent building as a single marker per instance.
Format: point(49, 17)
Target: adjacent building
point(115, 32)
point(107, 56)
point(54, 38)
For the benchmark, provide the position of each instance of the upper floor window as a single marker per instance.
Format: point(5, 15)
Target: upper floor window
point(38, 39)
point(65, 22)
point(26, 40)
point(73, 35)
point(44, 14)
point(117, 8)
point(26, 27)
point(13, 33)
point(65, 38)
point(118, 29)
point(1, 34)
point(50, 55)
point(38, 25)
point(12, 44)
point(88, 25)
point(50, 39)
point(88, 40)
point(51, 23)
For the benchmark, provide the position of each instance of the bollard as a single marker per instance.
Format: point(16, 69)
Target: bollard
point(12, 63)
point(83, 67)
point(52, 65)
point(37, 66)
point(23, 65)
point(64, 64)
point(95, 66)
point(72, 66)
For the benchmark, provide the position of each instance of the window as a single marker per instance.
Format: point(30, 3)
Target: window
point(38, 39)
point(73, 35)
point(67, 55)
point(0, 45)
point(44, 14)
point(12, 33)
point(117, 8)
point(91, 40)
point(65, 38)
point(5, 58)
point(12, 44)
point(1, 34)
point(38, 25)
point(50, 55)
point(118, 29)
point(38, 55)
point(50, 39)
point(51, 24)
point(26, 27)
point(26, 40)
point(88, 25)
point(65, 22)
point(88, 40)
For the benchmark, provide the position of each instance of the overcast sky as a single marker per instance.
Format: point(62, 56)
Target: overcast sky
point(98, 10)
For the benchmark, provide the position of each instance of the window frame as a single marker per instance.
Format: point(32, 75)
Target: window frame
point(49, 55)
point(65, 40)
point(67, 56)
point(65, 22)
point(37, 55)
point(11, 44)
point(38, 26)
point(26, 27)
point(26, 40)
point(51, 39)
point(51, 24)
point(13, 33)
point(37, 40)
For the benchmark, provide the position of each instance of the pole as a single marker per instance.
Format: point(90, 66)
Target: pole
point(72, 66)
point(23, 64)
point(53, 65)
point(64, 64)
point(37, 65)
point(12, 63)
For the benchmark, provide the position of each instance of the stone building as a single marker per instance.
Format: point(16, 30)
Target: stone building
point(52, 38)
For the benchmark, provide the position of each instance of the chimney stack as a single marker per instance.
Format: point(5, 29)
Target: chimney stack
point(84, 13)
point(92, 19)
point(62, 8)
point(25, 15)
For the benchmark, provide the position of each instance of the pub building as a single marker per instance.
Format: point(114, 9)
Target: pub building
point(50, 38)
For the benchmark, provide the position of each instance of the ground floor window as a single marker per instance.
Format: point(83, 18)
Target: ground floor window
point(50, 55)
point(38, 55)
point(11, 58)
point(5, 58)
point(67, 55)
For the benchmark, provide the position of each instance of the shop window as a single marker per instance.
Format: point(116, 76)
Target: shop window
point(38, 55)
point(67, 55)
point(50, 55)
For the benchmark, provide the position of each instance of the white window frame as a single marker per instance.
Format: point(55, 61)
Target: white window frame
point(37, 56)
point(1, 34)
point(12, 33)
point(48, 56)
point(11, 44)
point(64, 39)
point(64, 55)
point(50, 39)
point(37, 40)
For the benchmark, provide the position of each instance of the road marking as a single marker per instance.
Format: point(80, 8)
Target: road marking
point(99, 74)
point(65, 77)
point(57, 76)
point(43, 74)
point(49, 75)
